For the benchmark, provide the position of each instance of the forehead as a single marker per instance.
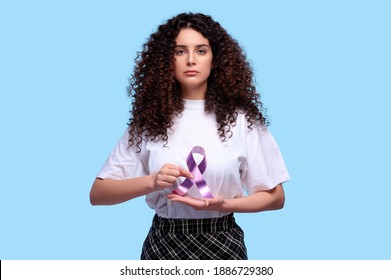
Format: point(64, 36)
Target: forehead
point(189, 37)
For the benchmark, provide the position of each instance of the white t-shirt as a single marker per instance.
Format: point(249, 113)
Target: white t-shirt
point(250, 160)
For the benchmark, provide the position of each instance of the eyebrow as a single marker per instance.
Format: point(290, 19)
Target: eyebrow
point(197, 46)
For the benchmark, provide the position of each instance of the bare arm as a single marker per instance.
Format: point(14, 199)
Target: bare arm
point(260, 201)
point(109, 191)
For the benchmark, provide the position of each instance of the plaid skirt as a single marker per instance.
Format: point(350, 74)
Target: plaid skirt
point(194, 239)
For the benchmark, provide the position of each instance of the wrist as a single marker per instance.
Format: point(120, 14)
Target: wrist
point(227, 205)
point(152, 187)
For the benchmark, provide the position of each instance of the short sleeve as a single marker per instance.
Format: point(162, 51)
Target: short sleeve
point(124, 162)
point(265, 167)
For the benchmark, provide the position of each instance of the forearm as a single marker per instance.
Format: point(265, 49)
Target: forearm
point(260, 201)
point(109, 192)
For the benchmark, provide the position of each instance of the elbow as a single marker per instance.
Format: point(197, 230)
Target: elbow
point(279, 196)
point(94, 193)
point(99, 194)
point(280, 202)
point(93, 199)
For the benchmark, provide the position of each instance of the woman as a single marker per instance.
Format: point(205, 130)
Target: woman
point(197, 136)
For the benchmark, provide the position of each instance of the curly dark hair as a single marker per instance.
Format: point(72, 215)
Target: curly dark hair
point(156, 96)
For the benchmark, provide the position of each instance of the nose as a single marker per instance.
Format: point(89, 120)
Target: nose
point(191, 59)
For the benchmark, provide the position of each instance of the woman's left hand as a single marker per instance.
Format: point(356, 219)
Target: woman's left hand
point(210, 204)
point(272, 199)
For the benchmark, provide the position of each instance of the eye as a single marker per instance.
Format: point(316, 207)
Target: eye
point(201, 51)
point(180, 52)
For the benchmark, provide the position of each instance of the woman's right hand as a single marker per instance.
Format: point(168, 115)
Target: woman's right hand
point(167, 175)
point(110, 191)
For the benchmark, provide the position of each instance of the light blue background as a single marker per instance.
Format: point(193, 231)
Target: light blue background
point(323, 68)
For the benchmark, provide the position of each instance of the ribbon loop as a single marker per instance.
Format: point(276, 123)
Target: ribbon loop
point(197, 171)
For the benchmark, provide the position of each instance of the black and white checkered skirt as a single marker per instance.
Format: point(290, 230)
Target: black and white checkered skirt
point(194, 239)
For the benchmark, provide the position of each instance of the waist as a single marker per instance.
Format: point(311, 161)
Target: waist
point(194, 226)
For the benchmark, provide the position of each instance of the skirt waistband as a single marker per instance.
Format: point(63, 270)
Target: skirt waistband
point(194, 226)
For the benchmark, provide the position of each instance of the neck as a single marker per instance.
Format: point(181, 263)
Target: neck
point(194, 93)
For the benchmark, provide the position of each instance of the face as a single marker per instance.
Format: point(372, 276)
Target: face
point(192, 60)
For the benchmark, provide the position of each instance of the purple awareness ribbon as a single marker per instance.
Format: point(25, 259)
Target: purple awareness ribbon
point(197, 171)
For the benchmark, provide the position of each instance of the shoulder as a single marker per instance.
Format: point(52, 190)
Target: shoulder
point(250, 126)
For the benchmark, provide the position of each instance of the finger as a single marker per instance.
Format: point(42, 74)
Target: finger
point(167, 180)
point(164, 184)
point(193, 202)
point(188, 198)
point(172, 195)
point(175, 170)
point(186, 173)
point(171, 173)
point(164, 181)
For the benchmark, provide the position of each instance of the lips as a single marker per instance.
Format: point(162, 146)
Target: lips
point(191, 72)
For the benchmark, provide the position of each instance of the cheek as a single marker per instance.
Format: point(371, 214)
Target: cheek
point(210, 63)
point(176, 71)
point(176, 68)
